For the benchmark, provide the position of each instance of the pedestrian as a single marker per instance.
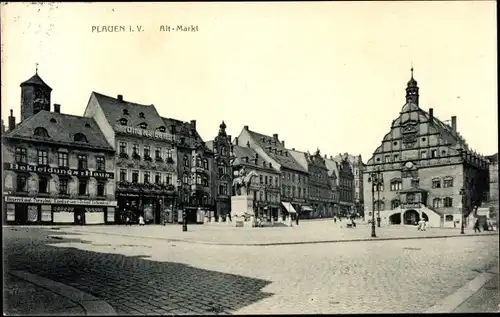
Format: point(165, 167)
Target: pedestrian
point(127, 221)
point(141, 220)
point(454, 224)
point(420, 225)
point(424, 225)
point(335, 219)
point(297, 219)
point(476, 226)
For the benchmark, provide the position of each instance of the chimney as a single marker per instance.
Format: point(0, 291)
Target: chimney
point(12, 121)
point(286, 153)
point(275, 136)
point(283, 143)
point(57, 108)
point(454, 123)
point(229, 137)
point(331, 157)
point(193, 124)
point(246, 159)
point(245, 127)
point(255, 160)
point(248, 143)
point(256, 156)
point(236, 141)
point(120, 97)
point(431, 115)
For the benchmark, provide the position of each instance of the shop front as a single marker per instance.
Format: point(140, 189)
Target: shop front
point(50, 211)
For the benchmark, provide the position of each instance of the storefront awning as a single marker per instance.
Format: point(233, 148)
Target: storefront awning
point(288, 207)
point(307, 208)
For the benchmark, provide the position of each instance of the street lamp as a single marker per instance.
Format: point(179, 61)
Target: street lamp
point(180, 204)
point(462, 193)
point(373, 179)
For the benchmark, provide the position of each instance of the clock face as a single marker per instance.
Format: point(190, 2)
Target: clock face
point(409, 165)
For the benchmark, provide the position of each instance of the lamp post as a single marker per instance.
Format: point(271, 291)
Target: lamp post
point(372, 181)
point(180, 204)
point(462, 227)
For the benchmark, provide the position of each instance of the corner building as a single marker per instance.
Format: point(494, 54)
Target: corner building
point(58, 168)
point(146, 157)
point(428, 170)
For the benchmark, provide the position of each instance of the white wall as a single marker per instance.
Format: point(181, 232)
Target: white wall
point(64, 217)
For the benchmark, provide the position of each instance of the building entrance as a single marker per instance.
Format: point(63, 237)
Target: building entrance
point(395, 219)
point(411, 217)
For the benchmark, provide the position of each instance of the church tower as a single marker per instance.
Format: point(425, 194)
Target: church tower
point(412, 90)
point(35, 96)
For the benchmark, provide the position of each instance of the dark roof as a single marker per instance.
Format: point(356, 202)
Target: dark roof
point(35, 80)
point(444, 127)
point(61, 130)
point(113, 110)
point(285, 161)
point(183, 129)
point(493, 158)
point(240, 152)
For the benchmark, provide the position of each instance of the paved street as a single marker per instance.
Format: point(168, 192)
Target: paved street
point(152, 276)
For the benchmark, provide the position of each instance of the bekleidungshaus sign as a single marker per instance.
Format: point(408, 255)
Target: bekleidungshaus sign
point(57, 171)
point(59, 201)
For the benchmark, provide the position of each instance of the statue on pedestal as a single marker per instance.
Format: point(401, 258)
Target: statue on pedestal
point(243, 181)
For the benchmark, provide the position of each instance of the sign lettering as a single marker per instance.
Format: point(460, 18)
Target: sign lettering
point(146, 133)
point(58, 171)
point(57, 201)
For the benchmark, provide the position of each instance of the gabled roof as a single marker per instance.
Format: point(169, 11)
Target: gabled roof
point(240, 152)
point(61, 128)
point(113, 111)
point(493, 158)
point(333, 169)
point(264, 141)
point(36, 81)
point(183, 129)
point(301, 158)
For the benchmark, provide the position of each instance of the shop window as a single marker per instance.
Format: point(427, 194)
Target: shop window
point(100, 189)
point(62, 159)
point(21, 183)
point(82, 162)
point(63, 186)
point(43, 157)
point(82, 187)
point(449, 218)
point(21, 156)
point(448, 202)
point(436, 183)
point(100, 163)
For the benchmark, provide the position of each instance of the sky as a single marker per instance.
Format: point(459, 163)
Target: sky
point(327, 75)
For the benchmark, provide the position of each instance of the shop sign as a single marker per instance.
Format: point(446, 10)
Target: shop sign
point(57, 171)
point(57, 201)
point(145, 133)
point(94, 209)
point(63, 209)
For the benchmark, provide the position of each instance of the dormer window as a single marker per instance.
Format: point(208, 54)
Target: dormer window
point(123, 121)
point(143, 125)
point(141, 115)
point(41, 132)
point(163, 129)
point(125, 111)
point(53, 120)
point(87, 125)
point(80, 137)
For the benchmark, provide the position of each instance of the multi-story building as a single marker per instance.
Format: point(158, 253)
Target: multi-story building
point(265, 189)
point(345, 187)
point(492, 202)
point(320, 198)
point(196, 170)
point(333, 176)
point(223, 178)
point(58, 168)
point(425, 170)
point(146, 156)
point(358, 168)
point(294, 178)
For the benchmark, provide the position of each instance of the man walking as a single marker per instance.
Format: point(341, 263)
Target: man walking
point(476, 226)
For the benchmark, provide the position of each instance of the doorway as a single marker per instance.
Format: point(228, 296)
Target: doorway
point(395, 219)
point(411, 217)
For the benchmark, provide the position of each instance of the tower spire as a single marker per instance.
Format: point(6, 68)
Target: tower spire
point(36, 68)
point(412, 89)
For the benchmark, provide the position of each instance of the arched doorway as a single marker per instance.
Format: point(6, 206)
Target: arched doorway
point(411, 217)
point(424, 216)
point(395, 219)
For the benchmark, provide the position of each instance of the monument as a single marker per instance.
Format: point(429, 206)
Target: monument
point(242, 208)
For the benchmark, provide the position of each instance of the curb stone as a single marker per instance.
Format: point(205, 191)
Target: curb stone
point(284, 243)
point(454, 300)
point(91, 304)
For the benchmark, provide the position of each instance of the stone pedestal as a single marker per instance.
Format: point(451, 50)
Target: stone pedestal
point(241, 206)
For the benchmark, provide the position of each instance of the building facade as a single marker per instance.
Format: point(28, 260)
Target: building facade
point(294, 178)
point(346, 187)
point(320, 198)
point(424, 169)
point(265, 189)
point(333, 176)
point(223, 178)
point(358, 168)
point(146, 157)
point(58, 168)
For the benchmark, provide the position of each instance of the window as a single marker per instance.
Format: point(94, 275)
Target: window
point(379, 188)
point(147, 151)
point(261, 179)
point(423, 154)
point(265, 180)
point(433, 153)
point(168, 179)
point(186, 161)
point(185, 178)
point(436, 183)
point(135, 149)
point(63, 186)
point(21, 183)
point(415, 183)
point(449, 218)
point(147, 176)
point(123, 175)
point(379, 205)
point(135, 176)
point(80, 137)
point(222, 189)
point(82, 162)
point(123, 121)
point(43, 185)
point(82, 187)
point(125, 111)
point(158, 153)
point(163, 129)
point(387, 158)
point(100, 189)
point(62, 159)
point(198, 179)
point(123, 147)
point(276, 181)
point(143, 125)
point(222, 169)
point(157, 178)
point(205, 164)
point(448, 202)
point(396, 157)
point(198, 161)
point(396, 185)
point(100, 163)
point(43, 157)
point(437, 203)
point(169, 154)
point(41, 132)
point(21, 156)
point(141, 114)
point(448, 182)
point(204, 181)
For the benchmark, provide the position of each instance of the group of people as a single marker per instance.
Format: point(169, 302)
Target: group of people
point(128, 221)
point(422, 225)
